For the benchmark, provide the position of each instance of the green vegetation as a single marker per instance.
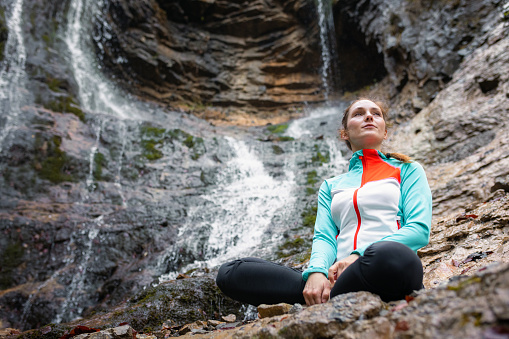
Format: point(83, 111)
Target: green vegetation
point(312, 177)
point(310, 190)
point(196, 144)
point(4, 33)
point(153, 132)
point(319, 157)
point(277, 129)
point(99, 163)
point(150, 138)
point(153, 136)
point(52, 163)
point(53, 84)
point(309, 216)
point(290, 247)
point(10, 259)
point(150, 151)
point(277, 150)
point(464, 283)
point(66, 105)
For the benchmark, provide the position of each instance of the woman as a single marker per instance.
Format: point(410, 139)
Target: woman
point(370, 223)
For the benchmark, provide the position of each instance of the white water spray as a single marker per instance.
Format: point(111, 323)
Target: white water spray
point(70, 306)
point(12, 73)
point(236, 213)
point(328, 44)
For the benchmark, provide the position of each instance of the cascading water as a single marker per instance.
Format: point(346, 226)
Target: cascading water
point(12, 73)
point(71, 307)
point(329, 71)
point(236, 213)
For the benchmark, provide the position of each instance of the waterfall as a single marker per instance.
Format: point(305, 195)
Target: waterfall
point(71, 306)
point(328, 44)
point(236, 213)
point(96, 93)
point(12, 73)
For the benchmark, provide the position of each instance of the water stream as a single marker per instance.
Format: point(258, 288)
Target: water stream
point(12, 73)
point(329, 72)
point(235, 214)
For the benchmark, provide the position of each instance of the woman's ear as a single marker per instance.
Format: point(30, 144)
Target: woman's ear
point(344, 134)
point(385, 135)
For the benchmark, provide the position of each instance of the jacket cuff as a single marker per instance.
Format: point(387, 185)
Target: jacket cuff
point(306, 273)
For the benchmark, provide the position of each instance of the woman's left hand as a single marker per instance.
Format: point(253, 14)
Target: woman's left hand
point(338, 267)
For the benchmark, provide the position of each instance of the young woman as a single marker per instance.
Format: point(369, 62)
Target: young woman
point(370, 222)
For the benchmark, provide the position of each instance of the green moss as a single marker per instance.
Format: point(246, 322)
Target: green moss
point(152, 132)
point(277, 150)
point(310, 191)
point(312, 177)
point(4, 33)
point(99, 163)
point(189, 142)
point(54, 84)
point(305, 256)
point(150, 151)
point(277, 129)
point(309, 216)
point(463, 283)
point(320, 158)
point(195, 143)
point(66, 105)
point(152, 137)
point(55, 165)
point(11, 258)
point(285, 138)
point(290, 247)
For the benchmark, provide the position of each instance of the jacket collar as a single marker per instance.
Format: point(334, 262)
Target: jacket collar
point(357, 160)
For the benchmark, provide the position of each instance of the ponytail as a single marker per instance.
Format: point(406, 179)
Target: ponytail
point(398, 156)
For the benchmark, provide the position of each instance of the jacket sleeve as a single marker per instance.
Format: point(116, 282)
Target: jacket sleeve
point(324, 248)
point(415, 208)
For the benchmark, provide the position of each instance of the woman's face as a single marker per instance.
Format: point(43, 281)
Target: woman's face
point(365, 127)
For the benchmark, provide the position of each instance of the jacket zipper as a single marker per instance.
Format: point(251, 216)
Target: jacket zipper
point(355, 204)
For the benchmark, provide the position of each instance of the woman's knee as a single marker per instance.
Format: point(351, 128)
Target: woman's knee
point(225, 272)
point(394, 262)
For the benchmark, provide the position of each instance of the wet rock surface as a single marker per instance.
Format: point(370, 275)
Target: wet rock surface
point(82, 235)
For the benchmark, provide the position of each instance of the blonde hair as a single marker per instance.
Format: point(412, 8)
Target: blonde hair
point(385, 113)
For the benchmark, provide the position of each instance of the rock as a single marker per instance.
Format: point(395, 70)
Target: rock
point(230, 318)
point(470, 307)
point(272, 310)
point(214, 323)
point(296, 308)
point(400, 40)
point(262, 57)
point(190, 328)
point(461, 141)
point(121, 332)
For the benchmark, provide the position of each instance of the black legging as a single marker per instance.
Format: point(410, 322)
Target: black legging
point(387, 268)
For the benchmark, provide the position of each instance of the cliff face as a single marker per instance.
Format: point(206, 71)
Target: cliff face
point(247, 55)
point(93, 204)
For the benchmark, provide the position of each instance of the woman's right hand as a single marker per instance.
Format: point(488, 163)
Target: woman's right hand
point(317, 289)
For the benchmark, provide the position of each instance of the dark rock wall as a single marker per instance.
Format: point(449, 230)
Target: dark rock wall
point(418, 44)
point(252, 55)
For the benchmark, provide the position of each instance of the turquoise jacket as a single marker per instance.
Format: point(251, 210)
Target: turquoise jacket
point(379, 198)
